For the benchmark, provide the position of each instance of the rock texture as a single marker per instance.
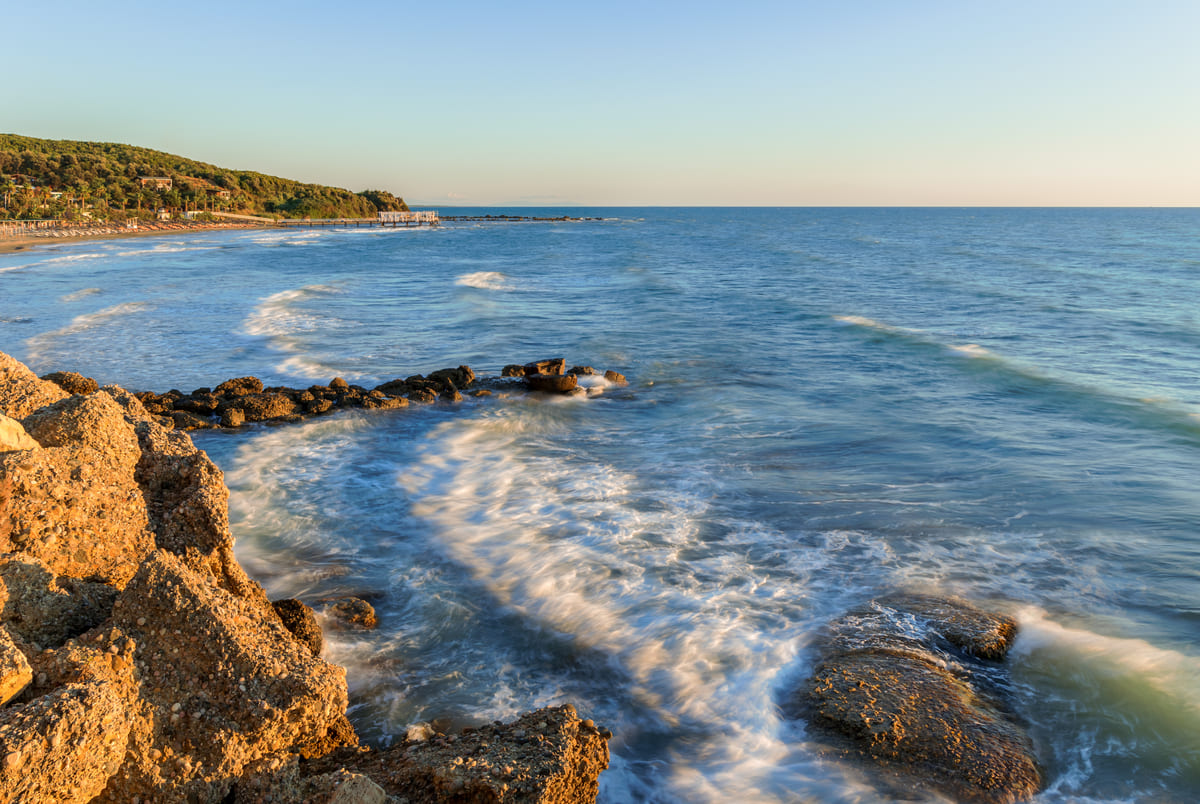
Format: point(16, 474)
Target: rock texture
point(139, 662)
point(907, 683)
point(548, 756)
point(21, 392)
point(243, 400)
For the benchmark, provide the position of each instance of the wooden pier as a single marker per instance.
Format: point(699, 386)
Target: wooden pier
point(423, 217)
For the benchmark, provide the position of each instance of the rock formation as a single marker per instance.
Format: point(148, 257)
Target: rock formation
point(137, 659)
point(908, 682)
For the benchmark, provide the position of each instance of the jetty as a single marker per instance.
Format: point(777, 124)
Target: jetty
point(422, 217)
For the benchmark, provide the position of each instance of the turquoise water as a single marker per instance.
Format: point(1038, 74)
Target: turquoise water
point(824, 405)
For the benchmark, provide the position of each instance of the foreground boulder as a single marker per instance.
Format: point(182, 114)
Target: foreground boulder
point(906, 682)
point(549, 756)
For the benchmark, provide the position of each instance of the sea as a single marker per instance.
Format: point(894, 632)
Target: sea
point(823, 406)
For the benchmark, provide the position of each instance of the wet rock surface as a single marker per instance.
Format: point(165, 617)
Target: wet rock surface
point(243, 400)
point(139, 662)
point(549, 756)
point(912, 684)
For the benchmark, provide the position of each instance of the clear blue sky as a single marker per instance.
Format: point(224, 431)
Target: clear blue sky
point(919, 102)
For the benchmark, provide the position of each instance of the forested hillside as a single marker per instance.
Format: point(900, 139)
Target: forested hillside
point(69, 179)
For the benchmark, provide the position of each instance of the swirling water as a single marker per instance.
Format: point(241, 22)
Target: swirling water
point(825, 404)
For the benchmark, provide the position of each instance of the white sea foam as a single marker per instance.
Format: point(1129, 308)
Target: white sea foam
point(291, 331)
point(63, 258)
point(1135, 661)
point(485, 280)
point(1132, 708)
point(79, 294)
point(164, 248)
point(38, 345)
point(972, 350)
point(869, 323)
point(277, 313)
point(588, 551)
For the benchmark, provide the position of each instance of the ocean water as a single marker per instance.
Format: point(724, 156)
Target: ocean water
point(824, 405)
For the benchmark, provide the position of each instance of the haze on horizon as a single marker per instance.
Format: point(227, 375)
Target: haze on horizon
point(931, 102)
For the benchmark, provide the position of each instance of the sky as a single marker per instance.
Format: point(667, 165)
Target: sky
point(763, 103)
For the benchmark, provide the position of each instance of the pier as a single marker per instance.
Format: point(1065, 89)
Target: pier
point(423, 217)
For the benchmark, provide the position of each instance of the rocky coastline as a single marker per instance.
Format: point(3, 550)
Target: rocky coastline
point(139, 662)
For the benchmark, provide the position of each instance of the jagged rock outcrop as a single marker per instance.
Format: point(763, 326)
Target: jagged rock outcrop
point(908, 683)
point(74, 502)
point(147, 663)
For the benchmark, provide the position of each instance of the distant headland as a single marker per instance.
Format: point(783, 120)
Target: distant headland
point(102, 181)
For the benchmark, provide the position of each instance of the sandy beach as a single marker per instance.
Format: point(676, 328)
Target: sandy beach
point(25, 240)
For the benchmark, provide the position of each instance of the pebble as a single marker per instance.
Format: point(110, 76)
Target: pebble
point(13, 760)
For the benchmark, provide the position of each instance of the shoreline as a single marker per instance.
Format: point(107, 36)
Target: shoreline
point(23, 242)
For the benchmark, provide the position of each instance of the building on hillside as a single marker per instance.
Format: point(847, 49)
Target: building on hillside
point(157, 182)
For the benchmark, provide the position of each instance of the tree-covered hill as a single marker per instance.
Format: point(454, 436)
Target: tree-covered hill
point(69, 179)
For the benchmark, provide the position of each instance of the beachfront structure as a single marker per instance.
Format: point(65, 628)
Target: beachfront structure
point(409, 216)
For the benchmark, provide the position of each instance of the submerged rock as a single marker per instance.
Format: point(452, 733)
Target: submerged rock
point(904, 682)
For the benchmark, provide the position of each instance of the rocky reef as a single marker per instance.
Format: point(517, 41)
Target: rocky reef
point(244, 400)
point(913, 684)
point(139, 663)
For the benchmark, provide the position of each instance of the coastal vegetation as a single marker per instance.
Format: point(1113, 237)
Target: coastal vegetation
point(100, 180)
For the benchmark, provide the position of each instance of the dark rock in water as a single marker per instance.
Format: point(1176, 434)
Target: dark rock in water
point(261, 407)
point(338, 384)
point(240, 386)
point(551, 383)
point(394, 387)
point(513, 370)
point(350, 612)
point(460, 377)
point(555, 366)
point(384, 403)
point(899, 682)
point(582, 371)
point(451, 394)
point(190, 421)
point(200, 404)
point(318, 406)
point(201, 391)
point(422, 396)
point(302, 622)
point(615, 378)
point(72, 382)
point(233, 417)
